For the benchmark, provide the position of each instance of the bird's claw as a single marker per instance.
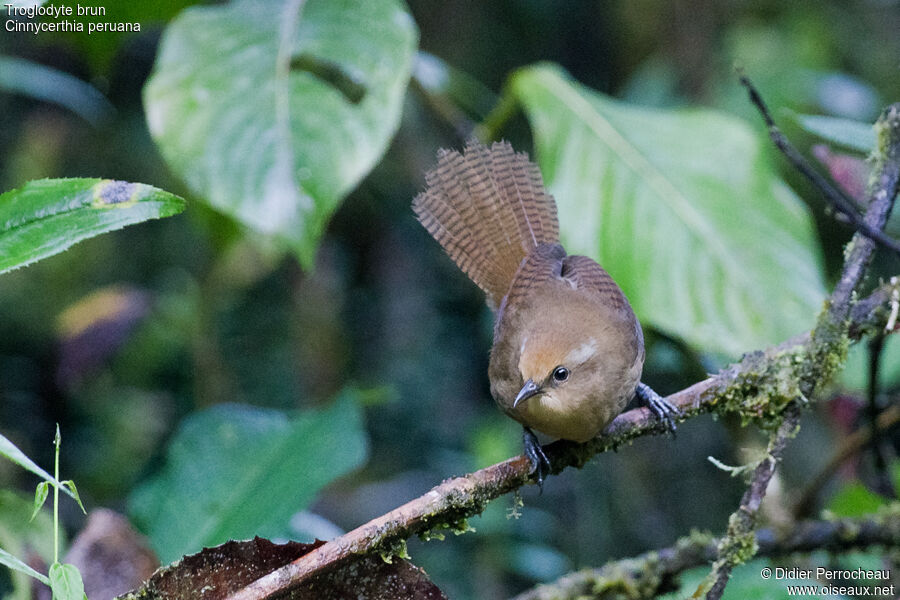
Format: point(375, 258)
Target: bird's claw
point(664, 410)
point(540, 464)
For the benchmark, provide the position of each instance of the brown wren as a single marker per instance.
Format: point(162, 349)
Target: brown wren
point(568, 350)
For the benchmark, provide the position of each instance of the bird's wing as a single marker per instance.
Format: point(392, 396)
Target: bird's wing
point(542, 264)
point(584, 273)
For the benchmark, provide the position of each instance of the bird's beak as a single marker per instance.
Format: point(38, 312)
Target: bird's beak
point(528, 390)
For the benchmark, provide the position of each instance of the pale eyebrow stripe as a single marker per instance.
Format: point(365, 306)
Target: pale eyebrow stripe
point(582, 352)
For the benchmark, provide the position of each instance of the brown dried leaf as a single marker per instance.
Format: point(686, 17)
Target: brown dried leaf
point(217, 572)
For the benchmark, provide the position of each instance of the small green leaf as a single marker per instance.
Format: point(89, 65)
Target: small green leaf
point(684, 210)
point(40, 496)
point(71, 486)
point(47, 216)
point(12, 452)
point(855, 135)
point(272, 111)
point(14, 563)
point(236, 471)
point(855, 500)
point(66, 583)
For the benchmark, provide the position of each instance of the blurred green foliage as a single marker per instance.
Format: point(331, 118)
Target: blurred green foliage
point(843, 132)
point(233, 472)
point(229, 318)
point(31, 540)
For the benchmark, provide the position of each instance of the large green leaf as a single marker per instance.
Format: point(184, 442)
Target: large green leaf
point(682, 208)
point(47, 216)
point(274, 110)
point(237, 471)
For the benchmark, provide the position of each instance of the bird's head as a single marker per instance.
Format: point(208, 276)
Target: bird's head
point(552, 361)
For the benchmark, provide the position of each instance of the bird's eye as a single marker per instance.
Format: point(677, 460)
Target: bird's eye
point(560, 374)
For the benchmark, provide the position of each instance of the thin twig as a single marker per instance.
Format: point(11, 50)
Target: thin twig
point(837, 198)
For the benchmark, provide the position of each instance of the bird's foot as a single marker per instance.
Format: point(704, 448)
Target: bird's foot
point(664, 410)
point(540, 464)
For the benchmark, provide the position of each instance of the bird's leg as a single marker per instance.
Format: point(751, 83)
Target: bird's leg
point(664, 410)
point(540, 465)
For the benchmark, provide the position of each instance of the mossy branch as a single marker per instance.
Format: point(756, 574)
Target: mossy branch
point(757, 388)
point(654, 573)
point(739, 544)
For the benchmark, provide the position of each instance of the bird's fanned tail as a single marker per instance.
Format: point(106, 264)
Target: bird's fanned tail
point(488, 209)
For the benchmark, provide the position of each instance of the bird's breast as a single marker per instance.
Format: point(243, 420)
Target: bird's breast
point(578, 420)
